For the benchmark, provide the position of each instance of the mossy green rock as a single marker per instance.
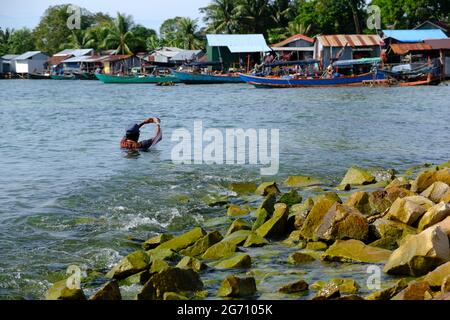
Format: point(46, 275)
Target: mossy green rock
point(237, 211)
point(425, 179)
point(267, 188)
point(276, 226)
point(300, 258)
point(138, 278)
point(158, 266)
point(355, 251)
point(388, 293)
point(238, 238)
point(214, 200)
point(154, 242)
point(290, 198)
point(239, 260)
point(295, 287)
point(436, 277)
point(389, 233)
point(202, 244)
point(170, 280)
point(299, 212)
point(360, 200)
point(399, 182)
point(220, 250)
point(235, 287)
point(294, 239)
point(133, 263)
point(420, 253)
point(243, 187)
point(357, 176)
point(301, 181)
point(316, 246)
point(109, 292)
point(183, 241)
point(379, 202)
point(173, 296)
point(191, 263)
point(60, 291)
point(163, 254)
point(237, 225)
point(328, 292)
point(345, 286)
point(255, 240)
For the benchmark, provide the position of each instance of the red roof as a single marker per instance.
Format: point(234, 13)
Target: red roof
point(55, 60)
point(292, 39)
point(404, 48)
point(352, 40)
point(438, 44)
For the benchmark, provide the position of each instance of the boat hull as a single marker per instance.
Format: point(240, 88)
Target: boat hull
point(56, 77)
point(36, 76)
point(271, 82)
point(132, 79)
point(193, 78)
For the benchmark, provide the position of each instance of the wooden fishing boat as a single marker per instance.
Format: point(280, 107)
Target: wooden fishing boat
point(63, 77)
point(84, 75)
point(135, 79)
point(38, 76)
point(200, 78)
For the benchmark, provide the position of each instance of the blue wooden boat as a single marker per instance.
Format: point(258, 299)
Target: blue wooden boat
point(199, 78)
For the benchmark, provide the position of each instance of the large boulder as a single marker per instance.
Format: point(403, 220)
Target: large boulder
point(267, 188)
point(238, 238)
point(355, 251)
point(360, 200)
point(234, 287)
point(237, 225)
point(427, 178)
point(202, 244)
point(255, 240)
point(388, 293)
point(61, 291)
point(243, 187)
point(299, 212)
point(399, 182)
point(301, 181)
point(300, 258)
point(183, 241)
point(237, 211)
point(409, 209)
point(317, 213)
point(436, 191)
point(357, 176)
point(434, 215)
point(420, 253)
point(436, 277)
point(290, 198)
point(110, 291)
point(379, 202)
point(239, 260)
point(154, 242)
point(394, 193)
point(388, 233)
point(158, 266)
point(170, 280)
point(133, 263)
point(343, 222)
point(275, 227)
point(445, 226)
point(220, 250)
point(191, 263)
point(415, 291)
point(264, 211)
point(298, 286)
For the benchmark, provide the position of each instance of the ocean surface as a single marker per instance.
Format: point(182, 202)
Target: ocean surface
point(69, 195)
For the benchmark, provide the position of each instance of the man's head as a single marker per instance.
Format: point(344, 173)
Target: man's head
point(133, 132)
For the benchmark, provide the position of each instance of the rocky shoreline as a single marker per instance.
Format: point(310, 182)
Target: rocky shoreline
point(399, 223)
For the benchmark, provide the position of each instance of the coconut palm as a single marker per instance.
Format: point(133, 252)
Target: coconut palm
point(295, 27)
point(120, 34)
point(255, 15)
point(221, 16)
point(188, 34)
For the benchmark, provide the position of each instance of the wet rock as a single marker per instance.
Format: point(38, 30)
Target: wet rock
point(170, 280)
point(163, 254)
point(420, 253)
point(360, 201)
point(301, 181)
point(294, 238)
point(434, 215)
point(60, 291)
point(138, 278)
point(173, 296)
point(219, 250)
point(235, 287)
point(202, 244)
point(158, 266)
point(436, 277)
point(446, 285)
point(300, 258)
point(316, 215)
point(110, 291)
point(357, 176)
point(264, 211)
point(383, 174)
point(267, 188)
point(394, 193)
point(255, 240)
point(300, 212)
point(133, 263)
point(317, 246)
point(215, 200)
point(191, 263)
point(290, 198)
point(237, 211)
point(389, 233)
point(355, 251)
point(415, 291)
point(243, 187)
point(409, 210)
point(237, 225)
point(389, 293)
point(295, 287)
point(329, 291)
point(154, 242)
point(436, 191)
point(275, 227)
point(343, 222)
point(400, 182)
point(239, 260)
point(427, 178)
point(183, 241)
point(238, 238)
point(345, 286)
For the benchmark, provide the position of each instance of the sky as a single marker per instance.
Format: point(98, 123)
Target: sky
point(150, 13)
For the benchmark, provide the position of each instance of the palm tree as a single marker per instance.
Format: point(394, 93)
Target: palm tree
point(153, 42)
point(255, 15)
point(5, 36)
point(120, 34)
point(188, 34)
point(222, 16)
point(80, 39)
point(295, 27)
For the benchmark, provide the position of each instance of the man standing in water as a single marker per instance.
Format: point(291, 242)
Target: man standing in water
point(131, 139)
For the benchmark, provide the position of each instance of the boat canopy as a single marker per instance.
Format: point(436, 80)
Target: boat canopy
point(291, 63)
point(341, 63)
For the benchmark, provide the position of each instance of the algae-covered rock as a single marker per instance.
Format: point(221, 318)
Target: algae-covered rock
point(436, 277)
point(237, 225)
point(301, 181)
point(133, 263)
point(243, 187)
point(298, 286)
point(343, 222)
point(420, 253)
point(173, 296)
point(238, 238)
point(355, 251)
point(255, 240)
point(329, 291)
point(399, 182)
point(163, 254)
point(183, 241)
point(290, 198)
point(61, 291)
point(434, 215)
point(357, 176)
point(345, 286)
point(389, 233)
point(427, 178)
point(379, 202)
point(317, 246)
point(138, 278)
point(389, 293)
point(219, 250)
point(275, 227)
point(237, 211)
point(110, 291)
point(300, 258)
point(415, 291)
point(267, 188)
point(317, 213)
point(170, 280)
point(360, 200)
point(154, 242)
point(202, 244)
point(239, 260)
point(215, 200)
point(300, 212)
point(295, 238)
point(406, 210)
point(191, 263)
point(436, 191)
point(236, 287)
point(264, 211)
point(158, 266)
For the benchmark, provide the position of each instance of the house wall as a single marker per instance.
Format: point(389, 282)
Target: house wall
point(326, 53)
point(300, 43)
point(1, 65)
point(9, 66)
point(447, 66)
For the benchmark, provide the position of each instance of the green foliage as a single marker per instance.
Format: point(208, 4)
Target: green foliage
point(181, 32)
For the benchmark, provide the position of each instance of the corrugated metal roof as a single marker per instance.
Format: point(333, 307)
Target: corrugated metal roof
point(352, 40)
point(439, 43)
point(404, 48)
point(117, 57)
point(9, 56)
point(414, 35)
point(239, 43)
point(27, 55)
point(186, 55)
point(292, 39)
point(85, 59)
point(75, 52)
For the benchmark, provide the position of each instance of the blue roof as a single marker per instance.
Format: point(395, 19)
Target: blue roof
point(414, 35)
point(239, 43)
